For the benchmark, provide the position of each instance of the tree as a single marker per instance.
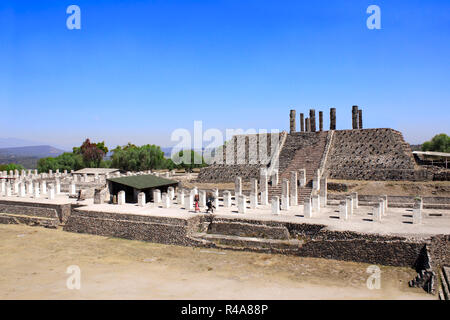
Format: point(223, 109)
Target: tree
point(66, 161)
point(439, 143)
point(92, 153)
point(134, 158)
point(11, 166)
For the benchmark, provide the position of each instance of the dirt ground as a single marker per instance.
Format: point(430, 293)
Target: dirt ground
point(34, 260)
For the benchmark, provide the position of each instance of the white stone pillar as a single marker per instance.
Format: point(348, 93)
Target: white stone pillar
point(275, 205)
point(58, 186)
point(171, 193)
point(141, 199)
point(43, 187)
point(242, 204)
point(121, 200)
point(307, 208)
point(285, 195)
point(165, 200)
point(417, 211)
point(73, 189)
point(355, 200)
point(383, 212)
point(253, 200)
point(237, 187)
point(343, 212)
point(2, 187)
point(274, 178)
point(385, 198)
point(180, 197)
point(216, 198)
point(302, 178)
point(23, 190)
point(377, 212)
point(36, 190)
point(323, 192)
point(8, 190)
point(293, 190)
point(227, 199)
point(156, 196)
point(316, 203)
point(202, 198)
point(16, 187)
point(316, 181)
point(51, 192)
point(349, 202)
point(263, 184)
point(189, 202)
point(254, 186)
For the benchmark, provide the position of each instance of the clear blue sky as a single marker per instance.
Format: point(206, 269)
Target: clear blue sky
point(137, 70)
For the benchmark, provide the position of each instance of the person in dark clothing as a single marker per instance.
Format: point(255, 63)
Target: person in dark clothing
point(210, 203)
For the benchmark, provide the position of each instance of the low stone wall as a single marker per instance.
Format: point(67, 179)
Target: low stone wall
point(60, 212)
point(133, 227)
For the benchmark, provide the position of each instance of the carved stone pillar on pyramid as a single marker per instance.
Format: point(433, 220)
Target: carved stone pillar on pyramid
point(332, 118)
point(292, 123)
point(307, 125)
point(312, 120)
point(360, 124)
point(320, 120)
point(355, 117)
point(302, 122)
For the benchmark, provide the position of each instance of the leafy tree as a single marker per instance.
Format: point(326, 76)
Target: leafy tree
point(66, 161)
point(11, 166)
point(134, 158)
point(92, 153)
point(439, 143)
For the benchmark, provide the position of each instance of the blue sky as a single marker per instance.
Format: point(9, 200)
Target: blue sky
point(137, 70)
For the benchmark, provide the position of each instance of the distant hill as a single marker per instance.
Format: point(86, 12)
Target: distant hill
point(27, 156)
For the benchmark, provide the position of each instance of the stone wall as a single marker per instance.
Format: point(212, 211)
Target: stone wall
point(58, 212)
point(371, 154)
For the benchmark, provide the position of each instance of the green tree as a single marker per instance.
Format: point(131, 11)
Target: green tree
point(11, 166)
point(188, 159)
point(134, 158)
point(439, 143)
point(66, 161)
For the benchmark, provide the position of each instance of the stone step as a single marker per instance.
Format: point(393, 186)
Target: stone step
point(444, 275)
point(9, 218)
point(249, 243)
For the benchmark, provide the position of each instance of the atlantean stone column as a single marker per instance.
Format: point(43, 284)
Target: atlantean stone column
point(302, 122)
point(355, 117)
point(292, 121)
point(307, 125)
point(333, 119)
point(293, 195)
point(263, 185)
point(360, 119)
point(320, 120)
point(312, 120)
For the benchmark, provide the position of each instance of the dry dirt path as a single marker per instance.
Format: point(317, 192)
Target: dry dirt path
point(33, 264)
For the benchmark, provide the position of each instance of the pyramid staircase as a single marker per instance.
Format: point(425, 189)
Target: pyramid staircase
point(302, 150)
